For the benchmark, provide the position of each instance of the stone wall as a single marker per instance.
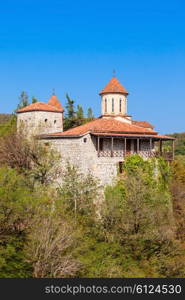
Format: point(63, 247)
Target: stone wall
point(82, 153)
point(38, 122)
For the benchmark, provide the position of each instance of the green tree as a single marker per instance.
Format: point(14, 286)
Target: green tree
point(70, 110)
point(34, 100)
point(38, 162)
point(90, 113)
point(141, 201)
point(79, 192)
point(80, 113)
point(8, 127)
point(70, 115)
point(15, 202)
point(49, 246)
point(23, 100)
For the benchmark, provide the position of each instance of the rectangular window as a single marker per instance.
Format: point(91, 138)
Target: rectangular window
point(120, 104)
point(106, 105)
point(112, 104)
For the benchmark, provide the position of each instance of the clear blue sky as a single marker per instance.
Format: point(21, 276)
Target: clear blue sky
point(73, 46)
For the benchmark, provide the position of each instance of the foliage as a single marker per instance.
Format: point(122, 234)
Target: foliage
point(143, 206)
point(179, 143)
point(34, 236)
point(70, 115)
point(55, 222)
point(90, 113)
point(178, 193)
point(80, 113)
point(16, 206)
point(74, 117)
point(34, 100)
point(49, 244)
point(8, 127)
point(35, 160)
point(78, 191)
point(23, 100)
point(4, 118)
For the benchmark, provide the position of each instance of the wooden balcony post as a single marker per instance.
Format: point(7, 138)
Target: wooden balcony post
point(112, 146)
point(160, 147)
point(150, 144)
point(98, 146)
point(137, 146)
point(173, 149)
point(125, 150)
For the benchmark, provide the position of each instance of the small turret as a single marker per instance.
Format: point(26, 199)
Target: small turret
point(41, 118)
point(114, 100)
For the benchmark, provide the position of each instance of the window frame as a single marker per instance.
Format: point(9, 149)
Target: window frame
point(112, 105)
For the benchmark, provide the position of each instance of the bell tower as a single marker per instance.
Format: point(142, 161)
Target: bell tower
point(114, 99)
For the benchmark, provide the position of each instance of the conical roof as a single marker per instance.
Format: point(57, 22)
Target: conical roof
point(114, 86)
point(40, 106)
point(55, 102)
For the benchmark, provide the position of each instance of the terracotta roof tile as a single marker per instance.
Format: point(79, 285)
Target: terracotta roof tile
point(114, 86)
point(105, 126)
point(156, 136)
point(40, 106)
point(55, 102)
point(143, 124)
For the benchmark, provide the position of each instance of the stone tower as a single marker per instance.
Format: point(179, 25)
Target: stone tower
point(114, 100)
point(41, 118)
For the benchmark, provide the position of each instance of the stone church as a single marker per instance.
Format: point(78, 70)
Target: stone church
point(101, 145)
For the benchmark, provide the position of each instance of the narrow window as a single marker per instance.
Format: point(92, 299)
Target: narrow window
point(55, 122)
point(120, 104)
point(112, 104)
point(85, 140)
point(105, 105)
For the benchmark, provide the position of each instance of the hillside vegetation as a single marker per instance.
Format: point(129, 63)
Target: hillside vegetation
point(4, 118)
point(179, 143)
point(72, 229)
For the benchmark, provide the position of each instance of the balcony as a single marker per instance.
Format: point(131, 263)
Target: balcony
point(146, 154)
point(121, 147)
point(167, 155)
point(114, 153)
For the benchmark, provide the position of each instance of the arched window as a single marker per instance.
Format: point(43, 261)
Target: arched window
point(45, 120)
point(112, 104)
point(120, 105)
point(105, 105)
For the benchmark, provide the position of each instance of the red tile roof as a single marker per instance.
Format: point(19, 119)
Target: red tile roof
point(55, 102)
point(144, 124)
point(164, 137)
point(40, 106)
point(109, 126)
point(114, 86)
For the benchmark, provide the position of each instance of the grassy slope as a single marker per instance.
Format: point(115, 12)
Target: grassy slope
point(4, 118)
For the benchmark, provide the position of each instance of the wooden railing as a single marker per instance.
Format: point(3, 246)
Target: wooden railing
point(122, 153)
point(166, 155)
point(114, 153)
